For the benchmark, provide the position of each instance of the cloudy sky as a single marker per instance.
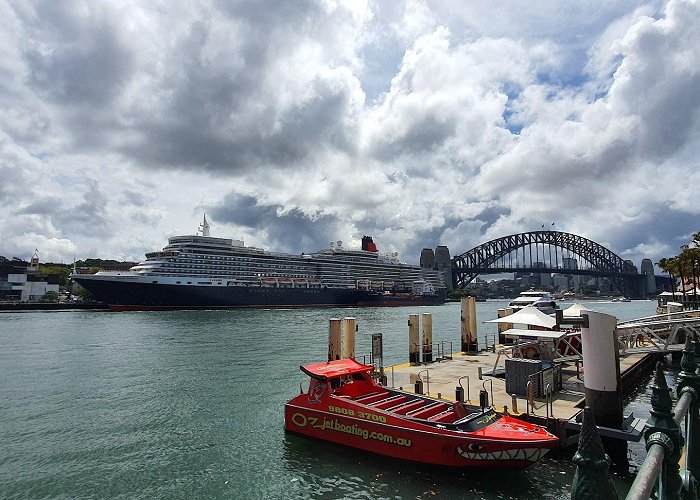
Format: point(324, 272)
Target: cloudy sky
point(294, 123)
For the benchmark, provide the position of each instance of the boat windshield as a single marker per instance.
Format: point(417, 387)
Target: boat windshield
point(477, 421)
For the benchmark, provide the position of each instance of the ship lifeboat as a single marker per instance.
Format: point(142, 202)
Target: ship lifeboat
point(344, 405)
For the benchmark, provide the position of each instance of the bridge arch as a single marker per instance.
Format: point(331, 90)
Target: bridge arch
point(543, 252)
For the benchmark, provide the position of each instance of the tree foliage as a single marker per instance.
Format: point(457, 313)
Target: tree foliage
point(684, 268)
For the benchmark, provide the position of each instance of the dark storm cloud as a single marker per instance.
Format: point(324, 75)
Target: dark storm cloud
point(647, 231)
point(423, 136)
point(292, 231)
point(229, 108)
point(134, 198)
point(87, 64)
point(286, 15)
point(194, 138)
point(216, 98)
point(12, 182)
point(86, 218)
point(490, 215)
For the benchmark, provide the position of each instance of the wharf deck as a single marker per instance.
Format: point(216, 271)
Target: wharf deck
point(444, 376)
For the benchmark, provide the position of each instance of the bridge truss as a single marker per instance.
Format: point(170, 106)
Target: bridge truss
point(544, 252)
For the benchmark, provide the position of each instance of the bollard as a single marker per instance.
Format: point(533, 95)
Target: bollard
point(334, 335)
point(601, 364)
point(348, 344)
point(418, 387)
point(591, 479)
point(427, 338)
point(483, 399)
point(469, 343)
point(459, 394)
point(514, 403)
point(413, 345)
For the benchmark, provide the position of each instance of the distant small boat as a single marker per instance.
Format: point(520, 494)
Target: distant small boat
point(344, 405)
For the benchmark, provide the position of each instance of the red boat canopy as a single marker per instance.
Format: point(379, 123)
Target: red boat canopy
point(337, 368)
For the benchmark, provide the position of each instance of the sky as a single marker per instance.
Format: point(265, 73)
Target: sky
point(295, 123)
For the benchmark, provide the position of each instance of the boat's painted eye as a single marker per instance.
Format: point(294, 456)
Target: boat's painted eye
point(474, 447)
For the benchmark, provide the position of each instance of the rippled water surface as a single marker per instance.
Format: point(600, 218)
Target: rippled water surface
point(190, 405)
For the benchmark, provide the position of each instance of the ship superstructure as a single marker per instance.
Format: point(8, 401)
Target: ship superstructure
point(201, 271)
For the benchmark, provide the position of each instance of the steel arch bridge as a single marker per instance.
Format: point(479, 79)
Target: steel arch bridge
point(545, 252)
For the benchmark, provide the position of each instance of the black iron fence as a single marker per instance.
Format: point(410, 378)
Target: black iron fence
point(672, 463)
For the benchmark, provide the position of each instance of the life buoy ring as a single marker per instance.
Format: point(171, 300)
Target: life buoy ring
point(530, 352)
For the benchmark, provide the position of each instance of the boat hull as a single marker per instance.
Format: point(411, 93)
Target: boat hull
point(380, 432)
point(403, 299)
point(132, 295)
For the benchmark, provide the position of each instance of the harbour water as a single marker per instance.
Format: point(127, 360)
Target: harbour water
point(188, 404)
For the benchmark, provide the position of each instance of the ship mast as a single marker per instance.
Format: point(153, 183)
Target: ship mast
point(204, 226)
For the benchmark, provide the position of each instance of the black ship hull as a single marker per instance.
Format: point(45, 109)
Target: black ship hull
point(131, 295)
point(402, 299)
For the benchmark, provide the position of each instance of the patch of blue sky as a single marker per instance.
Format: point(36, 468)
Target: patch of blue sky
point(43, 156)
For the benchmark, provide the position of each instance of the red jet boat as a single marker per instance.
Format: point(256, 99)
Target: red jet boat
point(345, 405)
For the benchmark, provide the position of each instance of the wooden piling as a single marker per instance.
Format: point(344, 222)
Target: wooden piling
point(468, 324)
point(334, 336)
point(427, 338)
point(348, 343)
point(413, 343)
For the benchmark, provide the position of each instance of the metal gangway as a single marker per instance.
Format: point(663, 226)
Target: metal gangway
point(659, 333)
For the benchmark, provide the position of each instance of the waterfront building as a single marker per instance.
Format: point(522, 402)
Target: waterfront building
point(20, 281)
point(560, 282)
point(574, 279)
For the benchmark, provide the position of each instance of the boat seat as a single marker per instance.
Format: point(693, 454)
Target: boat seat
point(404, 408)
point(389, 402)
point(445, 417)
point(428, 411)
point(371, 397)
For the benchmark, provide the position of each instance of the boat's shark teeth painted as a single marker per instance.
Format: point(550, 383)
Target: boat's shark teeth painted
point(527, 454)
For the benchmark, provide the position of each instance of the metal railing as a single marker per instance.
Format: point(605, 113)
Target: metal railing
point(490, 342)
point(443, 350)
point(661, 475)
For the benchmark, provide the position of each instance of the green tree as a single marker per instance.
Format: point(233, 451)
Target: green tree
point(85, 295)
point(62, 271)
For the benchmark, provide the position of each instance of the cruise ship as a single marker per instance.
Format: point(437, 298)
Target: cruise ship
point(204, 272)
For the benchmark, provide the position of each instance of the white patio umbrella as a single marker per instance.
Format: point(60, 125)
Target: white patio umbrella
point(575, 310)
point(528, 315)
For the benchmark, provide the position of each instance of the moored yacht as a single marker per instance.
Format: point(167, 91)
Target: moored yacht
point(538, 298)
